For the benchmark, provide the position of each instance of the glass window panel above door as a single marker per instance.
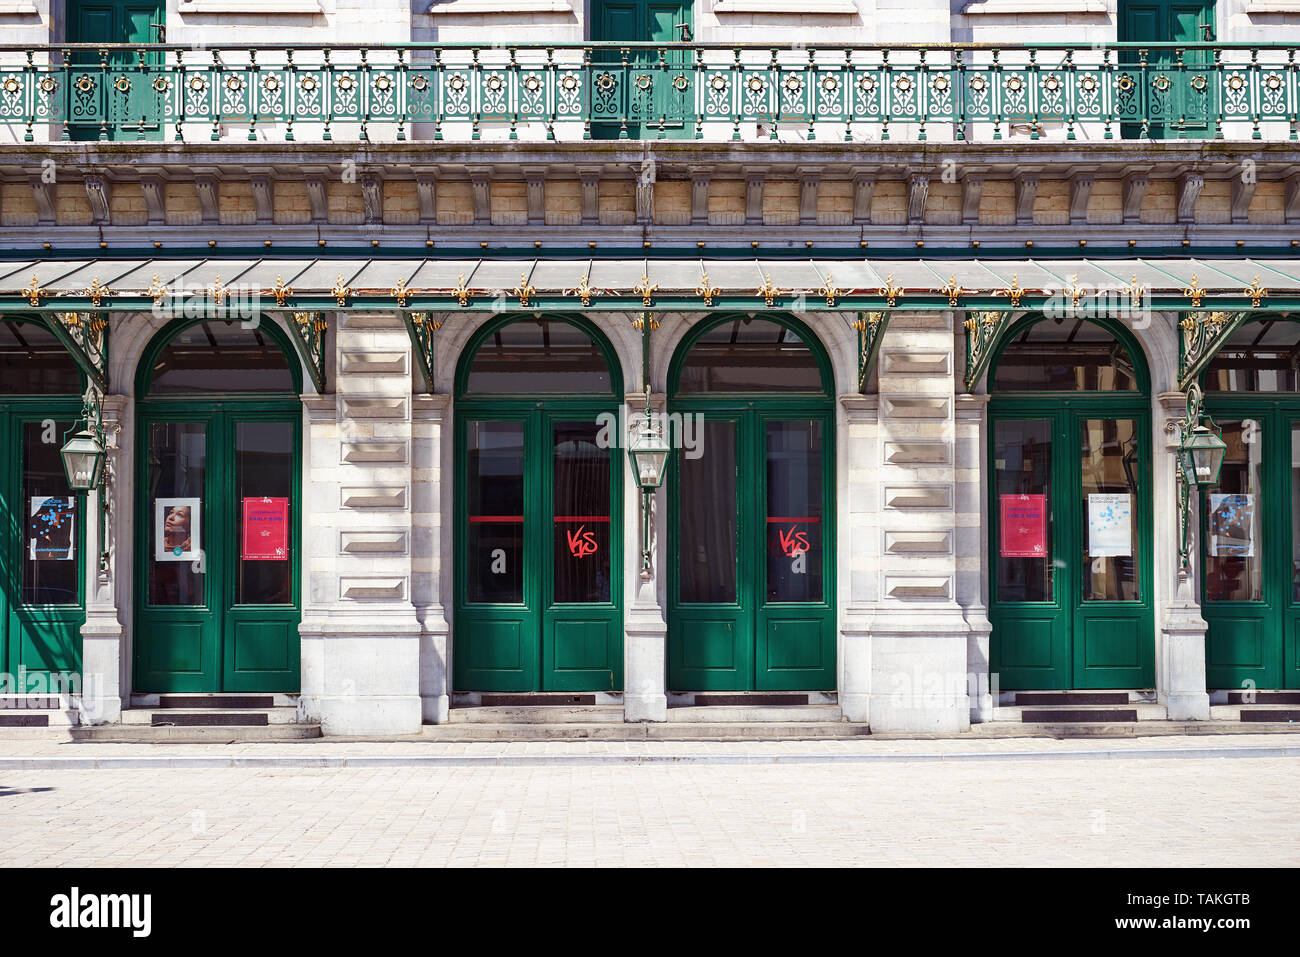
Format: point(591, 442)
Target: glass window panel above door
point(220, 356)
point(538, 356)
point(794, 510)
point(495, 453)
point(34, 362)
point(750, 355)
point(1234, 563)
point(1022, 465)
point(582, 513)
point(1065, 355)
point(177, 470)
point(1258, 357)
point(1109, 467)
point(49, 509)
point(264, 493)
point(706, 545)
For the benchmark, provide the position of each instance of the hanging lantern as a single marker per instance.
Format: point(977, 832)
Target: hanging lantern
point(83, 461)
point(1201, 456)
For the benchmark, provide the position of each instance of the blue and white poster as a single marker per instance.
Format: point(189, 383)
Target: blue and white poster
point(1232, 524)
point(52, 520)
point(1110, 525)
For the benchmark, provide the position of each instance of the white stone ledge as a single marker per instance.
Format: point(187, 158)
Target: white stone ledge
point(785, 7)
point(484, 7)
point(982, 7)
point(260, 7)
point(18, 8)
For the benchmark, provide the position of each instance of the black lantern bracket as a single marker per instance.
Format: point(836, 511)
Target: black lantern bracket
point(1199, 460)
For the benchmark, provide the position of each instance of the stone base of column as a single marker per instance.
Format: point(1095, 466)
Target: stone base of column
point(854, 683)
point(1180, 680)
point(101, 670)
point(362, 677)
point(645, 643)
point(919, 676)
point(982, 685)
point(436, 702)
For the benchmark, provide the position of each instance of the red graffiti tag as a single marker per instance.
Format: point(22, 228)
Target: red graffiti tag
point(793, 542)
point(582, 543)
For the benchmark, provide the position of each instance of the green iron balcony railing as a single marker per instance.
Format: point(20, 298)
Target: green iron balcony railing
point(651, 91)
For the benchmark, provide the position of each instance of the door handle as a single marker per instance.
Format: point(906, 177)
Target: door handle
point(1207, 32)
point(162, 31)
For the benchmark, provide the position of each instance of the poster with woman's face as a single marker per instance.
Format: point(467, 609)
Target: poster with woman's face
point(177, 529)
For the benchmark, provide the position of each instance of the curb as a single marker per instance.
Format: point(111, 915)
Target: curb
point(590, 760)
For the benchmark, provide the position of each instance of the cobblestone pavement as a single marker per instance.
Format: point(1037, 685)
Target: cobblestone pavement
point(1181, 812)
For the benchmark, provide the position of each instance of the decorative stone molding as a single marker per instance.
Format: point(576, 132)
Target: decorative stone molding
point(700, 195)
point(1134, 191)
point(755, 180)
point(43, 196)
point(1189, 190)
point(1026, 193)
point(480, 179)
point(864, 185)
point(918, 191)
point(426, 188)
point(589, 176)
point(97, 194)
point(1243, 192)
point(264, 197)
point(1080, 194)
point(535, 185)
point(316, 197)
point(809, 185)
point(206, 187)
point(972, 191)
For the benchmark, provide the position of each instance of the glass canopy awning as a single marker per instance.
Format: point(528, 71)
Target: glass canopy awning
point(1213, 295)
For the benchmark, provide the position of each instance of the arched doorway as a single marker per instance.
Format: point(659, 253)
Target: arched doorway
point(1250, 588)
point(538, 539)
point(752, 543)
point(218, 510)
point(1070, 506)
point(42, 528)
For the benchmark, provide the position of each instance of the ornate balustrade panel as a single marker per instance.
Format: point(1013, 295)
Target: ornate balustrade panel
point(648, 91)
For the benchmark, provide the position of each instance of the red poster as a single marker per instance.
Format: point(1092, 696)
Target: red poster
point(266, 529)
point(1024, 526)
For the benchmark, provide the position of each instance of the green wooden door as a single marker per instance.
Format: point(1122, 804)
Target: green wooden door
point(42, 546)
point(751, 603)
point(539, 549)
point(1070, 541)
point(217, 546)
point(1250, 585)
point(1165, 95)
point(653, 90)
point(118, 104)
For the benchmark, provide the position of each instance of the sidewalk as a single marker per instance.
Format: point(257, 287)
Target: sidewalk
point(36, 754)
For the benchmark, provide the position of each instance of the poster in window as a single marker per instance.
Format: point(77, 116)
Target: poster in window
point(266, 530)
point(1110, 524)
point(1024, 526)
point(51, 522)
point(178, 529)
point(1232, 521)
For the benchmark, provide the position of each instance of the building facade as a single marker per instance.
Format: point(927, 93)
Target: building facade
point(367, 299)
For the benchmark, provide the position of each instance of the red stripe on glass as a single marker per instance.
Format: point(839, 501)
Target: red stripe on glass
point(782, 519)
point(495, 519)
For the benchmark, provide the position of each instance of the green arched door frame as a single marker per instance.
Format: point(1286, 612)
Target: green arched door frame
point(539, 642)
point(1255, 644)
point(42, 639)
point(1069, 642)
point(219, 643)
point(749, 640)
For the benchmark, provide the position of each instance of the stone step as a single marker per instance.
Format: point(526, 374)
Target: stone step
point(1072, 698)
point(1138, 711)
point(755, 714)
point(38, 717)
point(647, 731)
point(241, 717)
point(1264, 697)
point(536, 714)
point(222, 701)
point(34, 702)
point(172, 734)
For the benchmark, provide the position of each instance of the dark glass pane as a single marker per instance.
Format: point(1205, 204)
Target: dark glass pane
point(50, 554)
point(750, 355)
point(1258, 357)
point(707, 542)
point(496, 512)
point(33, 362)
point(264, 491)
point(582, 516)
point(177, 467)
point(1022, 462)
point(1109, 467)
point(534, 356)
point(1234, 563)
point(794, 510)
point(220, 356)
point(1065, 355)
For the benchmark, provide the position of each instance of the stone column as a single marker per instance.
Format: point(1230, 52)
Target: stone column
point(360, 633)
point(1180, 642)
point(105, 657)
point(972, 549)
point(919, 633)
point(429, 414)
point(859, 539)
point(645, 623)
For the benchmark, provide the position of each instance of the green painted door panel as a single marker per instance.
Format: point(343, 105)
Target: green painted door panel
point(1163, 94)
point(41, 593)
point(1066, 618)
point(654, 89)
point(115, 110)
point(223, 619)
point(539, 554)
point(752, 594)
